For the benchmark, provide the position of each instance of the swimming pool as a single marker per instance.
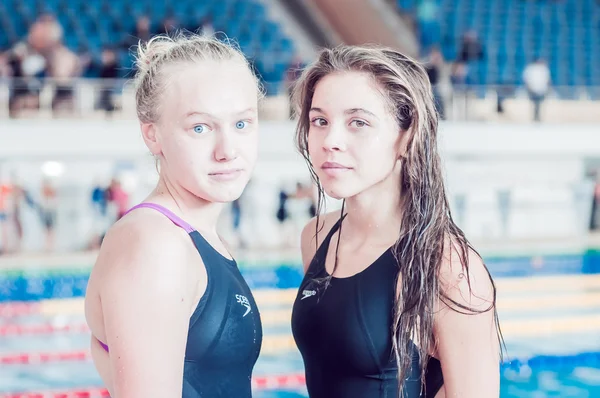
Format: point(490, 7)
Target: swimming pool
point(549, 308)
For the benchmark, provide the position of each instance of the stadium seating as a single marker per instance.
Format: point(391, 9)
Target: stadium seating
point(564, 32)
point(90, 25)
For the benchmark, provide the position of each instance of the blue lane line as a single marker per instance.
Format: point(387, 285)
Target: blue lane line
point(27, 285)
point(585, 359)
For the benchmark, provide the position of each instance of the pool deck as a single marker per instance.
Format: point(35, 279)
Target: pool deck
point(496, 248)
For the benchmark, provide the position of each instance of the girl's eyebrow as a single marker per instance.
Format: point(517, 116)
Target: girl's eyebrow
point(360, 110)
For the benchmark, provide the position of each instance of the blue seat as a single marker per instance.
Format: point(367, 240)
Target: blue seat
point(560, 31)
point(93, 24)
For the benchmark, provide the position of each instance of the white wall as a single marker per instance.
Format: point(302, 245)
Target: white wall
point(541, 167)
point(43, 138)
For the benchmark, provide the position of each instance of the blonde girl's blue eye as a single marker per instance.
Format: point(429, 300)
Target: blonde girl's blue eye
point(240, 125)
point(199, 129)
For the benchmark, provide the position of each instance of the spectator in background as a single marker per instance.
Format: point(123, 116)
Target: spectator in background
point(434, 65)
point(506, 89)
point(5, 215)
point(141, 33)
point(536, 77)
point(458, 75)
point(595, 202)
point(27, 65)
point(236, 215)
point(143, 30)
point(471, 51)
point(48, 207)
point(286, 223)
point(63, 67)
point(169, 25)
point(118, 198)
point(99, 200)
point(99, 215)
point(12, 198)
point(282, 211)
point(20, 196)
point(108, 72)
point(471, 48)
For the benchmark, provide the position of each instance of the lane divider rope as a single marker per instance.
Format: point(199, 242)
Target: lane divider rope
point(272, 344)
point(277, 382)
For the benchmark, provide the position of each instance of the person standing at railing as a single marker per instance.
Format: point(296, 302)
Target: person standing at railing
point(470, 56)
point(536, 77)
point(63, 67)
point(471, 48)
point(26, 66)
point(108, 71)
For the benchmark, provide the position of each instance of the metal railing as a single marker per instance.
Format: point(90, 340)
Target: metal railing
point(82, 97)
point(77, 98)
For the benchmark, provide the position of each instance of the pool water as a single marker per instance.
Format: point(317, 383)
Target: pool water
point(575, 382)
point(549, 376)
point(549, 309)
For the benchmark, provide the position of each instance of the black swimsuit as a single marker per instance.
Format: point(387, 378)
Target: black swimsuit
point(225, 331)
point(344, 333)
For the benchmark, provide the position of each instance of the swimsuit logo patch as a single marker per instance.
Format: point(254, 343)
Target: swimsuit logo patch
point(243, 300)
